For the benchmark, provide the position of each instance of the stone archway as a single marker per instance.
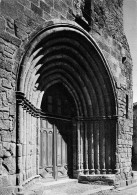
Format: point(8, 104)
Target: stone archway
point(65, 53)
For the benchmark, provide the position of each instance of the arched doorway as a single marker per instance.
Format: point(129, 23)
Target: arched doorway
point(64, 64)
point(56, 134)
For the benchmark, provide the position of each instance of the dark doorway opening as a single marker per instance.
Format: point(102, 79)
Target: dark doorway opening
point(56, 154)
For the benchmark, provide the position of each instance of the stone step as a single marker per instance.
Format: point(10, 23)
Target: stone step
point(101, 179)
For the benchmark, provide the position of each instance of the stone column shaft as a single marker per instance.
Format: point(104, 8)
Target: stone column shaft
point(35, 144)
point(38, 145)
point(102, 147)
point(19, 144)
point(91, 148)
point(27, 142)
point(24, 145)
point(31, 142)
point(108, 146)
point(74, 137)
point(20, 124)
point(81, 146)
point(86, 170)
point(96, 147)
point(78, 148)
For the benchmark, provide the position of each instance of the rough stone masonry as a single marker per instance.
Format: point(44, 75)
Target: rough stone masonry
point(20, 22)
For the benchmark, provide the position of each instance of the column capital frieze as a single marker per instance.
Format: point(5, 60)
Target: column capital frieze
point(26, 104)
point(96, 118)
point(20, 97)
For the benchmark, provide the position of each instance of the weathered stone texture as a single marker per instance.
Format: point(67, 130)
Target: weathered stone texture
point(134, 149)
point(5, 186)
point(20, 21)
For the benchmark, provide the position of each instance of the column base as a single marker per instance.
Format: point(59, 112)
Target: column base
point(86, 171)
point(20, 193)
point(109, 171)
point(92, 171)
point(116, 171)
point(76, 173)
point(19, 190)
point(103, 171)
point(97, 171)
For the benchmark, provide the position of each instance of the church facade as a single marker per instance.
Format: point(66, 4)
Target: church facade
point(66, 91)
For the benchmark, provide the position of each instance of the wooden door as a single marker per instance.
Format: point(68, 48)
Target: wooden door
point(61, 152)
point(56, 149)
point(46, 149)
point(64, 149)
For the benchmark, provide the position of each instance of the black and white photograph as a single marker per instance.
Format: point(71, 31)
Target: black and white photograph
point(68, 97)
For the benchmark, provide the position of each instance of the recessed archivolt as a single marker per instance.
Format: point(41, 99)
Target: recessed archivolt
point(24, 69)
point(64, 77)
point(66, 54)
point(72, 92)
point(67, 69)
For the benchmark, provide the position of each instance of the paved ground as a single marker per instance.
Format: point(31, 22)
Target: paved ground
point(72, 187)
point(65, 187)
point(132, 190)
point(85, 190)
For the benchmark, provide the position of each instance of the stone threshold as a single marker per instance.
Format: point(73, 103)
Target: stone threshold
point(108, 179)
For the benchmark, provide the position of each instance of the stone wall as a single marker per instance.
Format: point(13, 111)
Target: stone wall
point(20, 20)
point(134, 150)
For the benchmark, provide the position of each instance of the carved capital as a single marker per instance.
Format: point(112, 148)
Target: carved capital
point(20, 97)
